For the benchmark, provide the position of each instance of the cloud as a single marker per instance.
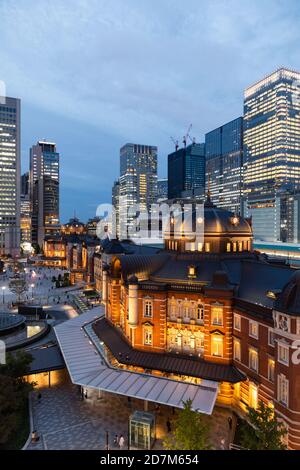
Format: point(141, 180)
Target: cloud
point(142, 70)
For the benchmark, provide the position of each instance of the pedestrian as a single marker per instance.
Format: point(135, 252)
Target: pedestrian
point(230, 422)
point(168, 425)
point(116, 440)
point(121, 442)
point(222, 444)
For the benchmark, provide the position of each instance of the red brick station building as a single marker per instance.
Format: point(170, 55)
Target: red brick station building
point(215, 311)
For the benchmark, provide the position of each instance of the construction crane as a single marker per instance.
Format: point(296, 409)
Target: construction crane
point(175, 142)
point(187, 135)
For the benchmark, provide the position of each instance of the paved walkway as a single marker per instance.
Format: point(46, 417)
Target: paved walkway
point(64, 421)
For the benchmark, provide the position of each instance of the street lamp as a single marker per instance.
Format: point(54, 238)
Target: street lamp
point(32, 286)
point(3, 290)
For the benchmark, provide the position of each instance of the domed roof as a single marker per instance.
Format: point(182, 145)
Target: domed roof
point(217, 221)
point(74, 222)
point(221, 221)
point(289, 299)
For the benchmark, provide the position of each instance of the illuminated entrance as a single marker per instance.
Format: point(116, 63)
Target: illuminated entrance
point(141, 430)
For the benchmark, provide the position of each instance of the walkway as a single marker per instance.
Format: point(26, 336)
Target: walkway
point(65, 422)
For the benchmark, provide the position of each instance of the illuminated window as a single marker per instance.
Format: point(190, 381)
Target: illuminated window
point(253, 395)
point(200, 312)
point(237, 322)
point(217, 345)
point(148, 308)
point(283, 390)
point(147, 336)
point(192, 342)
point(271, 369)
point(236, 349)
point(253, 359)
point(192, 271)
point(217, 316)
point(207, 247)
point(240, 246)
point(234, 246)
point(200, 246)
point(228, 247)
point(283, 354)
point(253, 329)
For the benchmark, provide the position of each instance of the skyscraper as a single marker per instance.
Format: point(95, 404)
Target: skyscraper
point(9, 176)
point(44, 190)
point(224, 164)
point(186, 171)
point(162, 189)
point(115, 200)
point(138, 181)
point(271, 146)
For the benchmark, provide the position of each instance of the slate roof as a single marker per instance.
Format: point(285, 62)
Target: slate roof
point(251, 275)
point(167, 362)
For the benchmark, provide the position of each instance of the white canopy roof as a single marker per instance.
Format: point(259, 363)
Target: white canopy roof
point(87, 367)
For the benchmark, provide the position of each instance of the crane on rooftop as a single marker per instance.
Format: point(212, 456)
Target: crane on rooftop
point(187, 135)
point(175, 142)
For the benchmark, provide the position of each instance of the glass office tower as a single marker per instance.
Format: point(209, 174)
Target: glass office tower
point(272, 134)
point(224, 165)
point(138, 181)
point(9, 176)
point(186, 171)
point(271, 149)
point(44, 190)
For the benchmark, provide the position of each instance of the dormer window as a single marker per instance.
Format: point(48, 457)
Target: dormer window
point(192, 271)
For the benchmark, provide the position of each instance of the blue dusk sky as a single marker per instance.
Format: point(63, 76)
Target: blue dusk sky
point(95, 74)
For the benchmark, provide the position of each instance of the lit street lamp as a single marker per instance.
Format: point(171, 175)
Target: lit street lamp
point(3, 290)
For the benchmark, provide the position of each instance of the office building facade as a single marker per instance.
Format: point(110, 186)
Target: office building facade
point(9, 176)
point(186, 171)
point(224, 165)
point(115, 200)
point(162, 189)
point(44, 190)
point(138, 182)
point(271, 149)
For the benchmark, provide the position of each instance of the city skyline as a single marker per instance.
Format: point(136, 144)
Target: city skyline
point(86, 125)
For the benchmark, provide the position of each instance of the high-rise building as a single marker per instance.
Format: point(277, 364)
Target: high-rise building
point(25, 183)
point(271, 147)
point(116, 204)
point(138, 182)
point(186, 171)
point(25, 218)
point(162, 189)
point(9, 176)
point(224, 165)
point(44, 190)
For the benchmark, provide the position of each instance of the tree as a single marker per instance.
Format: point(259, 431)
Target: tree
point(17, 364)
point(13, 393)
point(265, 431)
point(190, 430)
point(18, 286)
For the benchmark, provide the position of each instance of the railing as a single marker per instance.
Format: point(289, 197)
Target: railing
point(236, 447)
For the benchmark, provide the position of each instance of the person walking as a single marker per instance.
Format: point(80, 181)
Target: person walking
point(121, 442)
point(116, 440)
